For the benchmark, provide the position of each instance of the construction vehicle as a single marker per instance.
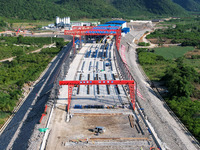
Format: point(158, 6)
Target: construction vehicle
point(98, 130)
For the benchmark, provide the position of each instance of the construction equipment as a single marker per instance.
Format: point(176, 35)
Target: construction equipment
point(71, 84)
point(98, 130)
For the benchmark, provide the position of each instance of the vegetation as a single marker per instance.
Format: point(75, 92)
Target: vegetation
point(143, 44)
point(3, 25)
point(50, 9)
point(23, 69)
point(182, 81)
point(186, 33)
point(14, 46)
point(173, 52)
point(151, 62)
point(190, 5)
point(179, 79)
point(193, 62)
point(156, 7)
point(47, 10)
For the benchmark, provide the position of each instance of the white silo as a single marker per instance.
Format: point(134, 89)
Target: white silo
point(57, 20)
point(68, 20)
point(64, 20)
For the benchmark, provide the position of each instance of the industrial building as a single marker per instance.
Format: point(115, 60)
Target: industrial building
point(120, 23)
point(62, 22)
point(66, 22)
point(123, 24)
point(84, 23)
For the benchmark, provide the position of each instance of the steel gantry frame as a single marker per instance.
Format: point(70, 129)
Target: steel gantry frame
point(71, 84)
point(95, 30)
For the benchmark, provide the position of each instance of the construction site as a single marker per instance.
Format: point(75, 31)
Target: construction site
point(104, 106)
point(95, 95)
point(104, 103)
point(95, 109)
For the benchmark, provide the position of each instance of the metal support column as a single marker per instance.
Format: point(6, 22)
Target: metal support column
point(70, 89)
point(132, 94)
point(74, 44)
point(80, 43)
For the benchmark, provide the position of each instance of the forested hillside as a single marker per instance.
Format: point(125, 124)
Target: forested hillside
point(45, 9)
point(147, 7)
point(2, 25)
point(190, 5)
point(30, 9)
point(48, 9)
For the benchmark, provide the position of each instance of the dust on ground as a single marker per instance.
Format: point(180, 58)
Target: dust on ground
point(80, 127)
point(164, 41)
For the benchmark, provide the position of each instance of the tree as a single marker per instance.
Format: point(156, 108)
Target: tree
point(180, 78)
point(60, 44)
point(20, 39)
point(5, 103)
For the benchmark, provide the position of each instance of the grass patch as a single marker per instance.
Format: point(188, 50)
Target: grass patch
point(3, 117)
point(153, 64)
point(193, 63)
point(173, 52)
point(155, 72)
point(33, 24)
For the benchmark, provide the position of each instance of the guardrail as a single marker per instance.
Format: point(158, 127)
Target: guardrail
point(122, 69)
point(62, 71)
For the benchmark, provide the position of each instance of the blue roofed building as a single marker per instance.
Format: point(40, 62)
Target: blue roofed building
point(112, 25)
point(123, 24)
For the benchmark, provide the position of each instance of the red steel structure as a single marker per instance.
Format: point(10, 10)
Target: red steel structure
point(71, 84)
point(95, 30)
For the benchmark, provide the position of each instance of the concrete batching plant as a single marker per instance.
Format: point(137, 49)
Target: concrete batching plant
point(62, 22)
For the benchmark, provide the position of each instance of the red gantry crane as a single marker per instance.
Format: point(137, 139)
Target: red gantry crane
point(71, 84)
point(95, 30)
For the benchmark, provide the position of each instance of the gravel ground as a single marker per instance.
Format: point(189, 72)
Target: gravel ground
point(117, 126)
point(167, 129)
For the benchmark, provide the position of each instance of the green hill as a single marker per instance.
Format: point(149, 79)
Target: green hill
point(48, 9)
point(190, 5)
point(147, 7)
point(90, 8)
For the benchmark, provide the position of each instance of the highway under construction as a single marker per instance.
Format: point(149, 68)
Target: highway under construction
point(108, 106)
point(120, 109)
point(94, 95)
